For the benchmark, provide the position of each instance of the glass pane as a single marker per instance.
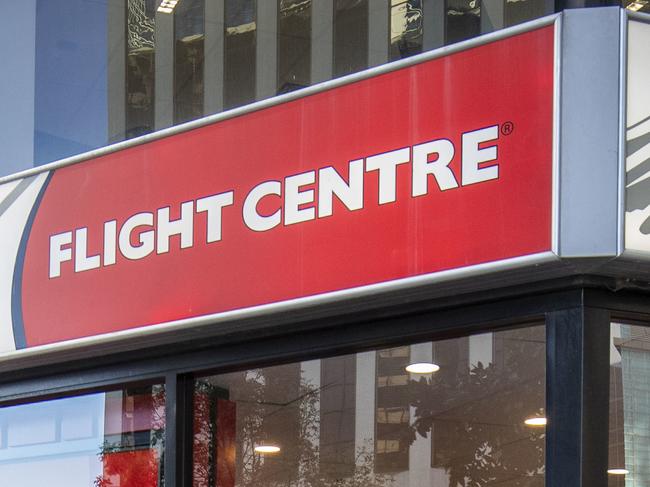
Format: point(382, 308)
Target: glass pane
point(140, 67)
point(405, 28)
point(629, 406)
point(637, 5)
point(337, 417)
point(239, 53)
point(294, 45)
point(392, 412)
point(463, 20)
point(189, 19)
point(350, 36)
point(68, 79)
point(471, 412)
point(110, 439)
point(518, 11)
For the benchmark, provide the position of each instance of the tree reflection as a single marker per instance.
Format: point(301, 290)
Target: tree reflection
point(133, 457)
point(272, 407)
point(476, 417)
point(471, 415)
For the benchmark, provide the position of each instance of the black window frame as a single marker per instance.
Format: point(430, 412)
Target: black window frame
point(576, 311)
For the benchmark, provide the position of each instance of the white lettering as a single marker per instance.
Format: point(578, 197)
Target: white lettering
point(58, 254)
point(439, 167)
point(81, 260)
point(387, 164)
point(213, 206)
point(252, 218)
point(298, 198)
point(293, 198)
point(146, 239)
point(473, 156)
point(184, 227)
point(331, 183)
point(110, 237)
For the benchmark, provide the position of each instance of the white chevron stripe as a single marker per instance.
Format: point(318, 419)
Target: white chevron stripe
point(638, 73)
point(638, 111)
point(642, 128)
point(12, 224)
point(637, 158)
point(7, 188)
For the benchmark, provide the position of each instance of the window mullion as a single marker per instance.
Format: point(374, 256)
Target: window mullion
point(178, 434)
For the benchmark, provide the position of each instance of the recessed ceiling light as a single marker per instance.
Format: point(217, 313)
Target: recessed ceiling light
point(422, 368)
point(267, 449)
point(618, 471)
point(536, 421)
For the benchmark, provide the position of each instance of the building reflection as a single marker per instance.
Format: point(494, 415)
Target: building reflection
point(364, 420)
point(629, 405)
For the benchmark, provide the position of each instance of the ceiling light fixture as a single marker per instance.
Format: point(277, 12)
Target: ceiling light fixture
point(422, 368)
point(267, 449)
point(618, 471)
point(536, 421)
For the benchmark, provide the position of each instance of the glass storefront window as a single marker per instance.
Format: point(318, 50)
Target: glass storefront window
point(629, 406)
point(294, 45)
point(239, 52)
point(637, 5)
point(463, 20)
point(470, 413)
point(350, 36)
point(140, 67)
point(88, 74)
point(108, 439)
point(188, 60)
point(518, 11)
point(406, 18)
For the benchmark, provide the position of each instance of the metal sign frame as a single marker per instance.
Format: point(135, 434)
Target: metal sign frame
point(304, 304)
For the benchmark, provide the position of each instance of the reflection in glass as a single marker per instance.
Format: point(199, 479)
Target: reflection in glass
point(294, 45)
point(463, 20)
point(189, 21)
point(637, 5)
point(462, 425)
point(350, 36)
point(111, 439)
point(629, 405)
point(518, 11)
point(337, 416)
point(405, 28)
point(239, 52)
point(392, 412)
point(140, 67)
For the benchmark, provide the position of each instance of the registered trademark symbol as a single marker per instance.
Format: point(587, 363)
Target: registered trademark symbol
point(507, 128)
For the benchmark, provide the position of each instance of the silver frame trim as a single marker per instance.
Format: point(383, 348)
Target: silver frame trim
point(557, 121)
point(289, 305)
point(622, 124)
point(203, 321)
point(626, 16)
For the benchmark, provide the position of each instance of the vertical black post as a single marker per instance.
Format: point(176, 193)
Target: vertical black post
point(577, 397)
point(178, 430)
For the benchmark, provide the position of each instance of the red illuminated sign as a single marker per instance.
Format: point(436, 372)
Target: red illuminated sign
point(298, 198)
point(440, 165)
